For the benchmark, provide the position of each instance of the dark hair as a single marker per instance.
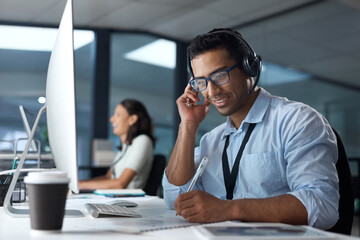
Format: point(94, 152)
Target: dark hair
point(217, 39)
point(144, 123)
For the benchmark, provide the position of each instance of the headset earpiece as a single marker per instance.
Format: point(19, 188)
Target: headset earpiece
point(248, 66)
point(251, 65)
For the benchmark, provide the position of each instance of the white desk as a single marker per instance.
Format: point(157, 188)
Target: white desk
point(154, 214)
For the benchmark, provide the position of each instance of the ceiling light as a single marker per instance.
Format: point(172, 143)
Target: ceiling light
point(37, 39)
point(160, 53)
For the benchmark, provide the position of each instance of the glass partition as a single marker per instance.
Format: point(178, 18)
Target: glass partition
point(142, 67)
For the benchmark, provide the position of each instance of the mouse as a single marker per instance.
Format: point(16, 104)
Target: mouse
point(122, 203)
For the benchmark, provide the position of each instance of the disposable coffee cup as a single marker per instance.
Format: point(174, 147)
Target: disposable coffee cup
point(47, 193)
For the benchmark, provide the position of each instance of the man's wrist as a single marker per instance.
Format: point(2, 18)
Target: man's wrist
point(188, 127)
point(233, 210)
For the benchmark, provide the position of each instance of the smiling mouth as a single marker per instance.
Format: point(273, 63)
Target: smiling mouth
point(220, 102)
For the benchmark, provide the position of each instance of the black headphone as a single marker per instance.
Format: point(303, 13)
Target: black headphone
point(251, 64)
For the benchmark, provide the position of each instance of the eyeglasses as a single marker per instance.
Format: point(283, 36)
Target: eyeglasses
point(218, 78)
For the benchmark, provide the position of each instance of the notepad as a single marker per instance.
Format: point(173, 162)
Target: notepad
point(120, 192)
point(281, 231)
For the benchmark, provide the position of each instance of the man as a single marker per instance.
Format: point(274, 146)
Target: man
point(285, 170)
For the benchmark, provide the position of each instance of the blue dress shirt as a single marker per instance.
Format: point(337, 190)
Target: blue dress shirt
point(292, 150)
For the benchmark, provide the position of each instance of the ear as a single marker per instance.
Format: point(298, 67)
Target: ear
point(133, 119)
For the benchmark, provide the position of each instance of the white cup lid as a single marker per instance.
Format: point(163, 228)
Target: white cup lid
point(46, 177)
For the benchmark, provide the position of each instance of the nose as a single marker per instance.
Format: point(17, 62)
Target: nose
point(111, 119)
point(212, 89)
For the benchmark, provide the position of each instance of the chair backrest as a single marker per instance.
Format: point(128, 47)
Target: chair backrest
point(346, 203)
point(154, 180)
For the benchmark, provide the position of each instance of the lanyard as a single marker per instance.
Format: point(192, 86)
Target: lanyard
point(230, 178)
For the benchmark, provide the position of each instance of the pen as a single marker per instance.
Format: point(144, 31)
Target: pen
point(198, 173)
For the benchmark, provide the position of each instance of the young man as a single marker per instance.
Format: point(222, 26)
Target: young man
point(285, 171)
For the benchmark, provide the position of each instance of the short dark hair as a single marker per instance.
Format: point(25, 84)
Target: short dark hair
point(144, 123)
point(218, 38)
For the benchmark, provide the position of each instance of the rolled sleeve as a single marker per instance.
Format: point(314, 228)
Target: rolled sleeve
point(171, 191)
point(321, 208)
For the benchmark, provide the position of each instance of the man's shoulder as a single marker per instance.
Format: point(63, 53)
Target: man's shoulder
point(289, 112)
point(284, 105)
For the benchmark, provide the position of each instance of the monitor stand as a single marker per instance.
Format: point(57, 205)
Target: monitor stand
point(19, 212)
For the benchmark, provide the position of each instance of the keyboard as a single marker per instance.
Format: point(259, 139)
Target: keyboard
point(106, 210)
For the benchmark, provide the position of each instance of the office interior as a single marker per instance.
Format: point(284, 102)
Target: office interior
point(310, 51)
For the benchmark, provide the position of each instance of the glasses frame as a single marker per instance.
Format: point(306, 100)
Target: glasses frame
point(207, 79)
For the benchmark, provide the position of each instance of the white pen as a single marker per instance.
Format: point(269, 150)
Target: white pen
point(198, 173)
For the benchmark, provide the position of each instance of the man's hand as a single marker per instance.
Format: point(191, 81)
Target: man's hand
point(199, 206)
point(189, 110)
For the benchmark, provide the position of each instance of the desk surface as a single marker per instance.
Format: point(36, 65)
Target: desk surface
point(154, 215)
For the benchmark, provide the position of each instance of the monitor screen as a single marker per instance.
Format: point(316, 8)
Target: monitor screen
point(60, 100)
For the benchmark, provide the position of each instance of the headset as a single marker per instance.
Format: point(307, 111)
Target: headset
point(251, 63)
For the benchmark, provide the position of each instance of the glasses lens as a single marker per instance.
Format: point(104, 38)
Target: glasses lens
point(220, 77)
point(198, 84)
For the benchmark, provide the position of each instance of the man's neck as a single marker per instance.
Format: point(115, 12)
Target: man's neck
point(238, 117)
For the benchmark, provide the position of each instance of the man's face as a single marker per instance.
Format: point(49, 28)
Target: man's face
point(231, 97)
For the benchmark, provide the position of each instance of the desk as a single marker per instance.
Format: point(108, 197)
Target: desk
point(153, 210)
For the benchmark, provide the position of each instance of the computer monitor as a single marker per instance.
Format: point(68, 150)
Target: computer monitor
point(60, 112)
point(60, 100)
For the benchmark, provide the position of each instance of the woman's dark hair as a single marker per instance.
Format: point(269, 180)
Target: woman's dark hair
point(218, 38)
point(144, 123)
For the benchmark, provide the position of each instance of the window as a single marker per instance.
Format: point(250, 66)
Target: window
point(23, 71)
point(142, 68)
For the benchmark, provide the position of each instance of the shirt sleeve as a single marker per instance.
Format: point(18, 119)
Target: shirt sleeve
point(141, 150)
point(171, 191)
point(310, 150)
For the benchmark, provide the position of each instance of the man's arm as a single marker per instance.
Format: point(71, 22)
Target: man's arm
point(199, 206)
point(180, 168)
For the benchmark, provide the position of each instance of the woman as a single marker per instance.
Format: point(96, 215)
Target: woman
point(132, 164)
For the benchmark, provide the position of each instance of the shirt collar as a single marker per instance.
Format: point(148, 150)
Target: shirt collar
point(255, 115)
point(259, 108)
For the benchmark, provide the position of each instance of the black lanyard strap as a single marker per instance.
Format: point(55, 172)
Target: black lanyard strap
point(230, 178)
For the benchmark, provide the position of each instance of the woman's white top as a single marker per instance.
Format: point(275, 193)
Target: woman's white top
point(139, 157)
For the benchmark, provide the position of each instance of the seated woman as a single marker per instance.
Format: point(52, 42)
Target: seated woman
point(132, 164)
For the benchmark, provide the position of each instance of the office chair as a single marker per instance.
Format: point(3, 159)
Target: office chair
point(154, 180)
point(346, 203)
